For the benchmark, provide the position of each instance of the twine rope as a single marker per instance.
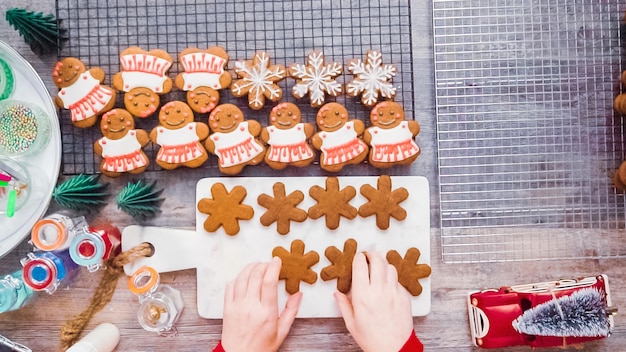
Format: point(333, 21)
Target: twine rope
point(114, 267)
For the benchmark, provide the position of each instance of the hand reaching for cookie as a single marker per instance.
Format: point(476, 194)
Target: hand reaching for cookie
point(251, 319)
point(378, 313)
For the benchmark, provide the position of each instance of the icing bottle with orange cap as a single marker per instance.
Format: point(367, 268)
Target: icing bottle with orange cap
point(14, 294)
point(159, 305)
point(94, 245)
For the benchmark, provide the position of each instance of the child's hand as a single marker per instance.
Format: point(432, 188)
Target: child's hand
point(378, 315)
point(251, 320)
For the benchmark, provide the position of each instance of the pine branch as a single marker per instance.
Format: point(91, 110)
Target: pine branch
point(40, 31)
point(81, 192)
point(139, 200)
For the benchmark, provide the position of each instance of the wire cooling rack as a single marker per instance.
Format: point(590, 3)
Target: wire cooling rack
point(527, 137)
point(288, 30)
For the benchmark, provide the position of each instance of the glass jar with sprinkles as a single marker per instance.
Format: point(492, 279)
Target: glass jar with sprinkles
point(24, 128)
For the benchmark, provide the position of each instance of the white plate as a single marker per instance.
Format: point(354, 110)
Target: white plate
point(42, 167)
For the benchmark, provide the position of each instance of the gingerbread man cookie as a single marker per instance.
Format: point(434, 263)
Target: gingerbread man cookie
point(121, 146)
point(81, 91)
point(179, 137)
point(234, 140)
point(287, 138)
point(338, 138)
point(391, 136)
point(258, 80)
point(204, 75)
point(371, 78)
point(143, 79)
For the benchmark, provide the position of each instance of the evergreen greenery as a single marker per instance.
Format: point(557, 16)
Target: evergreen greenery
point(40, 31)
point(81, 192)
point(140, 199)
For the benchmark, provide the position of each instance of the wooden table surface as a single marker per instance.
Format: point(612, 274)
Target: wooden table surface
point(444, 329)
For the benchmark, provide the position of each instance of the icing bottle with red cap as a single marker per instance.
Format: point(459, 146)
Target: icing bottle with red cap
point(14, 294)
point(90, 248)
point(56, 232)
point(46, 271)
point(159, 305)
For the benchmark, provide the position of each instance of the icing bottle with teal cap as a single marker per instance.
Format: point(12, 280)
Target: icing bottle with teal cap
point(14, 293)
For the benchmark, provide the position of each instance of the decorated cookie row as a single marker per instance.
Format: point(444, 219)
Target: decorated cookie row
point(144, 77)
point(297, 266)
point(238, 142)
point(332, 203)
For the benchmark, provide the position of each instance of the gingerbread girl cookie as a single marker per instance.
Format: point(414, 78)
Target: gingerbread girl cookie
point(81, 91)
point(143, 79)
point(338, 138)
point(121, 146)
point(234, 140)
point(391, 136)
point(287, 138)
point(203, 77)
point(179, 137)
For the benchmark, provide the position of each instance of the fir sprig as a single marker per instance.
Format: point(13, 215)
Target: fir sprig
point(40, 31)
point(139, 199)
point(80, 192)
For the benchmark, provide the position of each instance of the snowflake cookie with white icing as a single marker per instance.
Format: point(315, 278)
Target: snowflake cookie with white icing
point(371, 78)
point(316, 78)
point(258, 80)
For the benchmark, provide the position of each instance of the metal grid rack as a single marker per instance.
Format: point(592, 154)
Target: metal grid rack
point(288, 30)
point(527, 137)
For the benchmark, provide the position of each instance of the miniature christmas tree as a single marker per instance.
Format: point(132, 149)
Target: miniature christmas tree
point(81, 192)
point(40, 31)
point(139, 200)
point(582, 314)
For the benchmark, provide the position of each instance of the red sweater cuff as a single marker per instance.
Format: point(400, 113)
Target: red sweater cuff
point(413, 344)
point(219, 347)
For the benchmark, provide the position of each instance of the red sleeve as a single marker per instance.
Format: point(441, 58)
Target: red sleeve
point(413, 344)
point(219, 348)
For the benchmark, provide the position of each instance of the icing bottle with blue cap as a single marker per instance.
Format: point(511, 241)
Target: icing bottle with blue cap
point(46, 271)
point(96, 244)
point(56, 232)
point(159, 305)
point(14, 294)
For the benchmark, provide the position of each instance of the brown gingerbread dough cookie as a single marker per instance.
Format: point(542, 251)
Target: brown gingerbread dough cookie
point(225, 209)
point(81, 91)
point(383, 202)
point(409, 272)
point(341, 267)
point(282, 208)
point(296, 266)
point(332, 202)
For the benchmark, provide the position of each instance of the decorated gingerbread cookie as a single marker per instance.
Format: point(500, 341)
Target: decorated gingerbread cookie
point(143, 79)
point(287, 138)
point(204, 75)
point(316, 78)
point(391, 137)
point(234, 140)
point(258, 80)
point(371, 78)
point(179, 137)
point(338, 138)
point(121, 144)
point(81, 91)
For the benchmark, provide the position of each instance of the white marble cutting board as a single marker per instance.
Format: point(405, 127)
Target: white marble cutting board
point(219, 257)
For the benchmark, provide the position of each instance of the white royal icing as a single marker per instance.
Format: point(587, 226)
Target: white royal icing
point(288, 145)
point(371, 78)
point(316, 78)
point(236, 147)
point(393, 144)
point(258, 79)
point(85, 97)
